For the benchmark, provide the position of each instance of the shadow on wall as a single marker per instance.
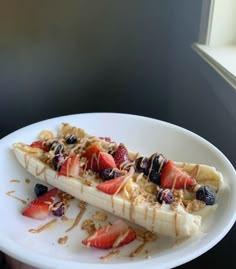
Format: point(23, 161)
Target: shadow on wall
point(71, 58)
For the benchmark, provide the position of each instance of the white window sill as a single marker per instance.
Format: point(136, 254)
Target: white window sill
point(221, 58)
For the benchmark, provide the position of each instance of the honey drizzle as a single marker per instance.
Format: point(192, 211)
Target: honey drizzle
point(9, 193)
point(44, 227)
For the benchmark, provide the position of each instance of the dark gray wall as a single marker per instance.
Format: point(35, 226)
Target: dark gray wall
point(65, 57)
point(198, 98)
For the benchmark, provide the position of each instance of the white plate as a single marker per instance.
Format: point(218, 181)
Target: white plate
point(139, 134)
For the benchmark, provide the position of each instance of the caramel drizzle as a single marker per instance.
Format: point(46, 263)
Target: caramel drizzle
point(176, 226)
point(111, 254)
point(9, 193)
point(14, 181)
point(77, 219)
point(146, 213)
point(44, 227)
point(62, 240)
point(137, 251)
point(153, 217)
point(38, 173)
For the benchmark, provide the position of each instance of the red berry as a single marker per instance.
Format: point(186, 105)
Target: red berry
point(121, 156)
point(115, 235)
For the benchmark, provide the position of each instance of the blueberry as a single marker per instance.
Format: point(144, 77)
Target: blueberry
point(109, 173)
point(57, 147)
point(71, 139)
point(40, 189)
point(155, 177)
point(206, 194)
point(157, 161)
point(142, 165)
point(165, 196)
point(58, 209)
point(57, 161)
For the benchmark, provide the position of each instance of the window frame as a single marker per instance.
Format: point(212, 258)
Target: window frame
point(220, 55)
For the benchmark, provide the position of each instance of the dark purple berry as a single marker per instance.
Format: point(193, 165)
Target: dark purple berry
point(155, 177)
point(206, 194)
point(142, 165)
point(109, 173)
point(58, 209)
point(165, 196)
point(157, 162)
point(57, 161)
point(72, 139)
point(40, 189)
point(57, 147)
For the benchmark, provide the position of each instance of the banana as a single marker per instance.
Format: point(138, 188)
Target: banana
point(135, 202)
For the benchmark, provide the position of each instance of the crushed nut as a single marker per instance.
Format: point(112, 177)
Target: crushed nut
point(89, 226)
point(151, 188)
point(82, 205)
point(100, 216)
point(149, 236)
point(144, 235)
point(65, 197)
point(45, 134)
point(178, 194)
point(193, 205)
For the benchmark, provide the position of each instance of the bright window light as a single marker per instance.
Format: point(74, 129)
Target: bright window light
point(217, 37)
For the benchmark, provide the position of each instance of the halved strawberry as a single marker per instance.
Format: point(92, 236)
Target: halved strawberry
point(92, 150)
point(115, 235)
point(174, 177)
point(111, 186)
point(97, 159)
point(70, 167)
point(105, 160)
point(121, 155)
point(40, 144)
point(40, 207)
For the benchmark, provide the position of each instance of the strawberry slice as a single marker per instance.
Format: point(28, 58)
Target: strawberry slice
point(113, 235)
point(92, 150)
point(174, 177)
point(105, 160)
point(40, 207)
point(70, 167)
point(39, 144)
point(98, 159)
point(121, 156)
point(111, 186)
